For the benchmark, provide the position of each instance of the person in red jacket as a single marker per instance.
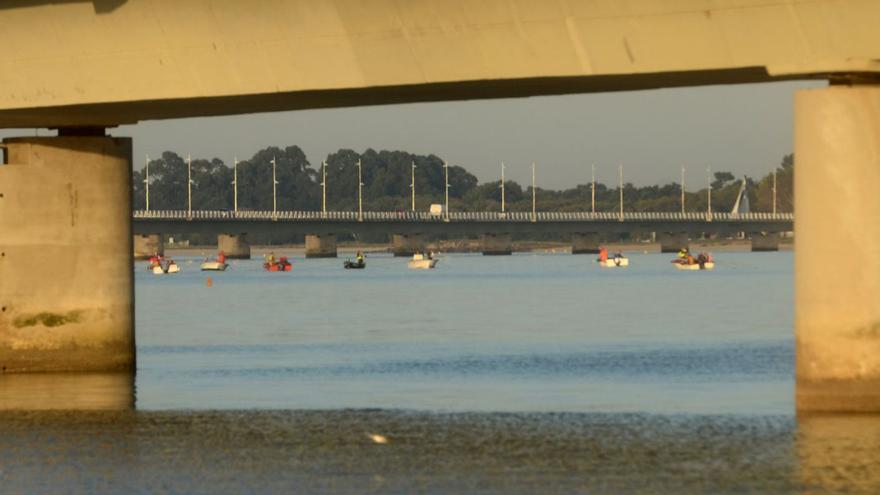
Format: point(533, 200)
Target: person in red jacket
point(603, 253)
point(221, 257)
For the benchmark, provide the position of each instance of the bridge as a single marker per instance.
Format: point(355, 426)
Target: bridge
point(407, 229)
point(83, 67)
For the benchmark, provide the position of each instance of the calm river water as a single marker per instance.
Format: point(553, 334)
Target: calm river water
point(514, 374)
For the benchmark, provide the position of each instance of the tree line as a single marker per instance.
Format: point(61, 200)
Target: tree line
point(387, 176)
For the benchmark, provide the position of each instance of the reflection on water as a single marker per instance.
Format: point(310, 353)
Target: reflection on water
point(334, 452)
point(67, 391)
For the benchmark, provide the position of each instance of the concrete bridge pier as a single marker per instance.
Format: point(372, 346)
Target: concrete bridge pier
point(321, 246)
point(585, 242)
point(672, 242)
point(837, 304)
point(407, 244)
point(496, 244)
point(234, 246)
point(66, 278)
point(146, 245)
point(762, 241)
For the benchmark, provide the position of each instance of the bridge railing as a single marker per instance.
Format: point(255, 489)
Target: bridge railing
point(463, 216)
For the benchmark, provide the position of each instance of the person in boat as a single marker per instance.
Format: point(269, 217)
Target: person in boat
point(603, 254)
point(618, 255)
point(271, 258)
point(360, 258)
point(684, 253)
point(221, 257)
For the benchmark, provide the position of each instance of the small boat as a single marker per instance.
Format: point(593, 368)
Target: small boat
point(165, 268)
point(214, 266)
point(614, 262)
point(709, 265)
point(282, 265)
point(422, 261)
point(354, 265)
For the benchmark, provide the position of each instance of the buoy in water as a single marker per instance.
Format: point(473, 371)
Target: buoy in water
point(209, 282)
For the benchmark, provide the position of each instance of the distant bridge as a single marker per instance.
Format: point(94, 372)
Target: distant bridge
point(585, 229)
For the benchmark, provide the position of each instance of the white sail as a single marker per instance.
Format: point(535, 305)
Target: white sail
point(742, 199)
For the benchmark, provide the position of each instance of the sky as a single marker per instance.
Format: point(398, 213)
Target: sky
point(744, 129)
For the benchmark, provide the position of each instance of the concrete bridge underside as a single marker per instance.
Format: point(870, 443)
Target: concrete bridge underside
point(83, 66)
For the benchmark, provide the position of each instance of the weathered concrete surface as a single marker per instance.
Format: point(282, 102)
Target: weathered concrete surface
point(66, 280)
point(407, 244)
point(837, 304)
point(146, 245)
point(320, 246)
point(765, 241)
point(672, 242)
point(234, 246)
point(496, 244)
point(585, 242)
point(80, 63)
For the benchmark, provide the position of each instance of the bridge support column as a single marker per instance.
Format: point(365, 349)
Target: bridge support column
point(672, 242)
point(765, 242)
point(585, 243)
point(321, 246)
point(66, 278)
point(146, 245)
point(407, 244)
point(496, 244)
point(234, 246)
point(837, 315)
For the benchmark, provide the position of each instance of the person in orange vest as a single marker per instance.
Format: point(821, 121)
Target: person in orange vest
point(221, 257)
point(603, 253)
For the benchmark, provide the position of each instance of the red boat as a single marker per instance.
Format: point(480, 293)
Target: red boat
point(282, 265)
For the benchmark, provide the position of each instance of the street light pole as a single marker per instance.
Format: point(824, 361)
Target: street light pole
point(235, 184)
point(593, 190)
point(413, 186)
point(534, 198)
point(621, 191)
point(360, 193)
point(324, 188)
point(502, 187)
point(189, 187)
point(682, 189)
point(446, 168)
point(709, 193)
point(147, 181)
point(774, 190)
point(274, 192)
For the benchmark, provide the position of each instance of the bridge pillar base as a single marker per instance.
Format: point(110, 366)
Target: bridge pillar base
point(146, 245)
point(765, 242)
point(585, 243)
point(672, 242)
point(66, 296)
point(496, 244)
point(407, 244)
point(320, 246)
point(837, 318)
point(234, 246)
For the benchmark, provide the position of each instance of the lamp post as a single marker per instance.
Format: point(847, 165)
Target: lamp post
point(324, 188)
point(446, 191)
point(593, 191)
point(360, 193)
point(682, 189)
point(274, 192)
point(189, 188)
point(147, 181)
point(502, 187)
point(621, 191)
point(235, 184)
point(709, 193)
point(534, 197)
point(774, 190)
point(413, 186)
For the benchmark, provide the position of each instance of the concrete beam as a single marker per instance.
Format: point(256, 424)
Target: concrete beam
point(320, 245)
point(234, 246)
point(407, 244)
point(146, 245)
point(66, 278)
point(585, 242)
point(837, 315)
point(672, 242)
point(765, 241)
point(496, 244)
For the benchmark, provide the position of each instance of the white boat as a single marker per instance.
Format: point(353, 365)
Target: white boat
point(422, 262)
point(214, 266)
point(614, 262)
point(169, 268)
point(709, 265)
